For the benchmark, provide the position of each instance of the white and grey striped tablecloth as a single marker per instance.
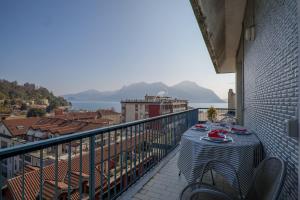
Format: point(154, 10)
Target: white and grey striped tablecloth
point(244, 153)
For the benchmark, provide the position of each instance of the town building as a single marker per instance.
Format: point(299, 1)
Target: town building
point(81, 115)
point(110, 114)
point(13, 132)
point(231, 99)
point(19, 131)
point(151, 106)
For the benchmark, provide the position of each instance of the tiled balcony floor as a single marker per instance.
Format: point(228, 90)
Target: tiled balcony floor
point(164, 183)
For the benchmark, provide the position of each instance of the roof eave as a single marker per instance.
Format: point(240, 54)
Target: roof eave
point(201, 23)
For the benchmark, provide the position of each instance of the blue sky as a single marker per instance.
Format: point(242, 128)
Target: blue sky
point(70, 45)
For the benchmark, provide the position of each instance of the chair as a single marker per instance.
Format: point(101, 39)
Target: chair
point(268, 180)
point(197, 191)
point(266, 184)
point(200, 190)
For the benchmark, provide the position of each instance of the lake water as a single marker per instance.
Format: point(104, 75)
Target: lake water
point(95, 105)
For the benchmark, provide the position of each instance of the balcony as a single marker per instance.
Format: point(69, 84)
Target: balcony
point(106, 162)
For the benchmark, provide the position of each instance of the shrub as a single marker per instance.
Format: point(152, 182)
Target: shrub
point(212, 114)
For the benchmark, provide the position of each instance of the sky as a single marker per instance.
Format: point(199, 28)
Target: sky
point(70, 46)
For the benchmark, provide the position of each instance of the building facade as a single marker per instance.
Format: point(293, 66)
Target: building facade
point(259, 41)
point(12, 132)
point(271, 90)
point(151, 106)
point(231, 99)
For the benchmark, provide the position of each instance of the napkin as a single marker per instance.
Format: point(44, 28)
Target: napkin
point(199, 126)
point(217, 133)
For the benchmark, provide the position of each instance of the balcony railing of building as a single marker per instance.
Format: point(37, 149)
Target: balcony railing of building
point(97, 164)
point(220, 113)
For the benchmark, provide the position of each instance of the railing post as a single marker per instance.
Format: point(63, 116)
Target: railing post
point(126, 157)
point(116, 161)
point(0, 179)
point(102, 171)
point(56, 172)
point(23, 178)
point(174, 130)
point(108, 164)
point(92, 169)
point(80, 170)
point(69, 169)
point(121, 160)
point(41, 175)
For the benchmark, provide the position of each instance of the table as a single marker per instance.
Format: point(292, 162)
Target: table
point(244, 153)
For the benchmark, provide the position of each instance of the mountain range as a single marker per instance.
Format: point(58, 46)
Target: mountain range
point(184, 90)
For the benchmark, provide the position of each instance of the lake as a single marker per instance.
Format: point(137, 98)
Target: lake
point(95, 105)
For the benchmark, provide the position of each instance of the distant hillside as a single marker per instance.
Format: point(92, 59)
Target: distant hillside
point(28, 92)
point(184, 90)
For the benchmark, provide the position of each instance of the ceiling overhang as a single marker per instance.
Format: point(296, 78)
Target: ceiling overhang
point(220, 22)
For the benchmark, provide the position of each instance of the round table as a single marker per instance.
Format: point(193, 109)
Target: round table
point(244, 153)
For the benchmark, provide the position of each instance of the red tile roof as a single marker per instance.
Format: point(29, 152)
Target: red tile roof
point(62, 126)
point(19, 127)
point(32, 178)
point(104, 112)
point(79, 115)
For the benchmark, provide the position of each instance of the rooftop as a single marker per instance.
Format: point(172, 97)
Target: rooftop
point(18, 127)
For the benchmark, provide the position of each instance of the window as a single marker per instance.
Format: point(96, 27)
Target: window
point(27, 158)
point(20, 127)
point(3, 144)
point(4, 161)
point(4, 172)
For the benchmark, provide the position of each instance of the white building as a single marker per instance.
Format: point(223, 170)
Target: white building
point(13, 132)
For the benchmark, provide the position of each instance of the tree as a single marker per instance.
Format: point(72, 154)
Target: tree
point(52, 105)
point(23, 106)
point(36, 112)
point(13, 102)
point(4, 109)
point(2, 96)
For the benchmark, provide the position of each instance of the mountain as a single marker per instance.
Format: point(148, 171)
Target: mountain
point(184, 90)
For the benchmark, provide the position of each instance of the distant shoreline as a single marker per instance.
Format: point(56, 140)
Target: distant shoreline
point(95, 105)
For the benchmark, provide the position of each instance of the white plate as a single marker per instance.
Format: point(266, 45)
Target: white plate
point(217, 140)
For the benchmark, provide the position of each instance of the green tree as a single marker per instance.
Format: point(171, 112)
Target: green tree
point(36, 112)
point(23, 106)
point(54, 103)
point(212, 114)
point(4, 109)
point(13, 102)
point(2, 96)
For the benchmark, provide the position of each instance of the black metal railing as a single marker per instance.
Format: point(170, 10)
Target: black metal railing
point(96, 164)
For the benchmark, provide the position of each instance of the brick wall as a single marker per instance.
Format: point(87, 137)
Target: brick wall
point(271, 89)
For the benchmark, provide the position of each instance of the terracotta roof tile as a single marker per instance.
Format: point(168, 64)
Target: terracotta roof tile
point(19, 127)
point(79, 115)
point(62, 126)
point(104, 112)
point(32, 177)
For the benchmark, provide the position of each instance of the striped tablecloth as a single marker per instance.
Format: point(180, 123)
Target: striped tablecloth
point(244, 153)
